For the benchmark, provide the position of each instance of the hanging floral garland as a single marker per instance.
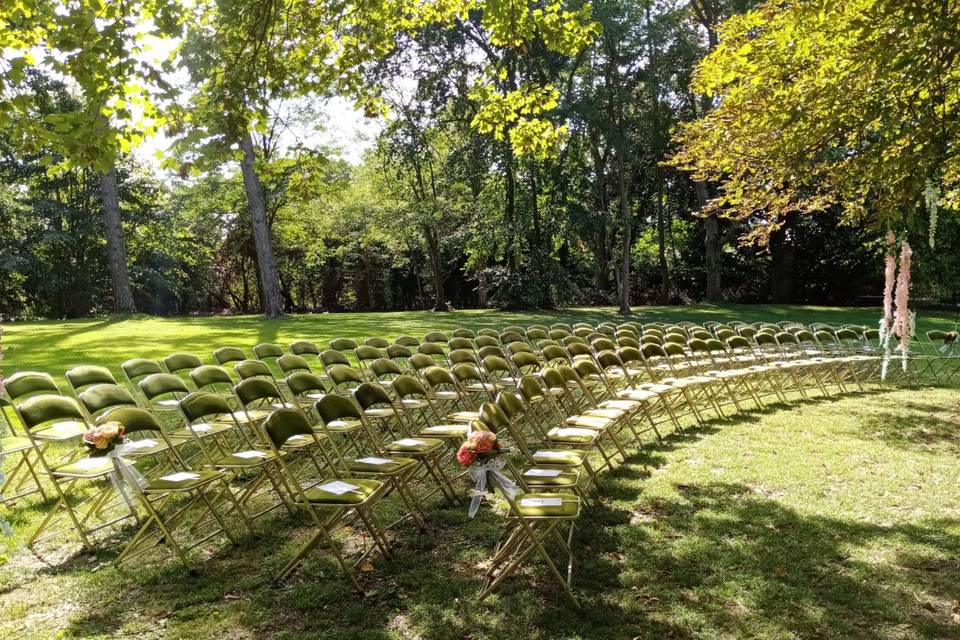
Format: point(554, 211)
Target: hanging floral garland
point(886, 321)
point(931, 197)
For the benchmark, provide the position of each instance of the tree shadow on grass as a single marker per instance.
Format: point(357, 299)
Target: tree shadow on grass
point(729, 562)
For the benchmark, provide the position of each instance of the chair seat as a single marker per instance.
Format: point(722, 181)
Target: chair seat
point(587, 421)
point(251, 415)
point(445, 395)
point(364, 489)
point(201, 430)
point(559, 457)
point(625, 406)
point(446, 430)
point(167, 404)
point(12, 444)
point(249, 458)
point(546, 477)
point(415, 445)
point(464, 416)
point(569, 507)
point(483, 386)
point(373, 465)
point(378, 412)
point(64, 430)
point(572, 435)
point(413, 403)
point(343, 426)
point(182, 481)
point(85, 468)
point(144, 447)
point(301, 441)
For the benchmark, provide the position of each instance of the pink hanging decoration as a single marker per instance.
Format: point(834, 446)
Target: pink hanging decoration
point(901, 324)
point(889, 277)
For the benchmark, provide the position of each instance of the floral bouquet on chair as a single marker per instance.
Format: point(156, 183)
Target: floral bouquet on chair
point(482, 455)
point(104, 438)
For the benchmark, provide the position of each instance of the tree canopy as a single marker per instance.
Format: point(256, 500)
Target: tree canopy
point(820, 103)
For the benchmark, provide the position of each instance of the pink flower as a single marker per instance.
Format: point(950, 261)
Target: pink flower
point(901, 323)
point(889, 278)
point(465, 456)
point(482, 441)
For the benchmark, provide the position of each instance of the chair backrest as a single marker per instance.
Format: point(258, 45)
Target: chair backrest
point(257, 390)
point(341, 375)
point(226, 355)
point(289, 363)
point(203, 404)
point(332, 358)
point(603, 344)
point(88, 375)
point(431, 349)
point(460, 343)
point(488, 333)
point(283, 424)
point(369, 395)
point(575, 349)
point(252, 369)
point(406, 386)
point(343, 344)
point(377, 343)
point(439, 377)
point(554, 354)
point(510, 403)
point(303, 347)
point(367, 353)
point(525, 361)
point(333, 407)
point(536, 333)
point(495, 365)
point(24, 384)
point(569, 340)
point(398, 351)
point(267, 351)
point(518, 347)
point(100, 397)
point(40, 410)
point(383, 368)
point(420, 361)
point(136, 368)
point(133, 419)
point(464, 333)
point(486, 341)
point(493, 417)
point(176, 362)
point(161, 384)
point(210, 375)
point(463, 355)
point(304, 382)
point(407, 341)
point(437, 337)
point(508, 337)
point(465, 372)
point(491, 350)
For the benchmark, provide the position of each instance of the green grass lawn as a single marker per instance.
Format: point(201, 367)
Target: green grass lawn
point(53, 346)
point(829, 518)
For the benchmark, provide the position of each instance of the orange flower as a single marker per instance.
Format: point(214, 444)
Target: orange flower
point(483, 441)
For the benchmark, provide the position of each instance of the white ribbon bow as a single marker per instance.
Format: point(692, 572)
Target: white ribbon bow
point(492, 469)
point(125, 476)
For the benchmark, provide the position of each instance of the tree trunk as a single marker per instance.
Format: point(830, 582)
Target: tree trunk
point(662, 245)
point(510, 212)
point(782, 255)
point(626, 214)
point(712, 246)
point(272, 301)
point(482, 287)
point(433, 247)
point(116, 247)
